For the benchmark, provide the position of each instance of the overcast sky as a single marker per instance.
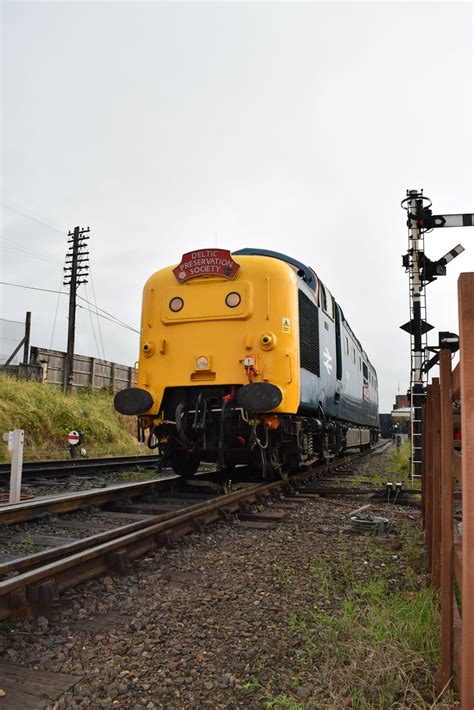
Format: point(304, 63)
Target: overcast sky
point(167, 127)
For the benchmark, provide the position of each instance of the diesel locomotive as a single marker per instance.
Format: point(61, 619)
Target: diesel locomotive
point(246, 358)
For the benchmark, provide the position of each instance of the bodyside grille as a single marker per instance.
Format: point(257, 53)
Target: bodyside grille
point(309, 334)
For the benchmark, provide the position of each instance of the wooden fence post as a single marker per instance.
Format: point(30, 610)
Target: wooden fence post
point(447, 521)
point(428, 475)
point(466, 340)
point(92, 361)
point(435, 483)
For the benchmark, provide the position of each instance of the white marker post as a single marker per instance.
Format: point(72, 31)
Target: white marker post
point(15, 441)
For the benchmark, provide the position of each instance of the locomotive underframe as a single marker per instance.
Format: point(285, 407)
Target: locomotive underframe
point(207, 425)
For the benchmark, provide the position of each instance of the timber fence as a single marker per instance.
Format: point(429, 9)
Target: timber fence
point(48, 366)
point(448, 500)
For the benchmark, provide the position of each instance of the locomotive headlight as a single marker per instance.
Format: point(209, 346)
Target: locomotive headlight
point(202, 363)
point(176, 304)
point(233, 299)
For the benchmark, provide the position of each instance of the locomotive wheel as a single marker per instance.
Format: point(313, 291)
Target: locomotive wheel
point(185, 463)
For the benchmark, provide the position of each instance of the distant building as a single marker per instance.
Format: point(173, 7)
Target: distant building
point(401, 401)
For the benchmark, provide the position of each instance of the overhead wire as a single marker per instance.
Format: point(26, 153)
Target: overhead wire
point(92, 326)
point(113, 319)
point(22, 250)
point(98, 321)
point(11, 206)
point(128, 327)
point(56, 312)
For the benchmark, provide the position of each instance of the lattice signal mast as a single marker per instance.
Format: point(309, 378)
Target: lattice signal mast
point(423, 271)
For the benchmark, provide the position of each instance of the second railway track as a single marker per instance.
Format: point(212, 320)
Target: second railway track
point(77, 467)
point(33, 582)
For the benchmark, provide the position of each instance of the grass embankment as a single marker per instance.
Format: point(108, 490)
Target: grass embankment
point(47, 415)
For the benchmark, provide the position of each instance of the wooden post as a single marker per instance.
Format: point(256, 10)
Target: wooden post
point(15, 440)
point(466, 340)
point(92, 371)
point(112, 376)
point(428, 475)
point(71, 323)
point(435, 484)
point(447, 521)
point(26, 349)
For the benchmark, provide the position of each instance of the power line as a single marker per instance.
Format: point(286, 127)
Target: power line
point(22, 250)
point(113, 319)
point(106, 312)
point(129, 327)
point(11, 206)
point(92, 326)
point(98, 321)
point(30, 288)
point(56, 312)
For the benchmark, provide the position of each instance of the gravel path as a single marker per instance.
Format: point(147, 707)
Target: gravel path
point(219, 621)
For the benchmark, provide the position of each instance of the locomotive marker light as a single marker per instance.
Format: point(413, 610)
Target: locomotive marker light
point(422, 271)
point(232, 299)
point(202, 363)
point(176, 304)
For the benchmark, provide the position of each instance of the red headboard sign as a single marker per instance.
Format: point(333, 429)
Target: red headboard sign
point(206, 262)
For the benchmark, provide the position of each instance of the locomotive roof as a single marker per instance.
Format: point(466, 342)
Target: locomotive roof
point(306, 273)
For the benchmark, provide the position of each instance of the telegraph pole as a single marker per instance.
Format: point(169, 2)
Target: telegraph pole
point(77, 265)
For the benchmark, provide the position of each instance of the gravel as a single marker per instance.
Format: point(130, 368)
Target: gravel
point(206, 624)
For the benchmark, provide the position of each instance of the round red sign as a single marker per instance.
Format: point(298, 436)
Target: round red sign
point(73, 438)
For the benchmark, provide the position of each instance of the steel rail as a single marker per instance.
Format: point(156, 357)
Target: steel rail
point(22, 593)
point(11, 513)
point(38, 558)
point(36, 587)
point(61, 568)
point(62, 467)
point(67, 502)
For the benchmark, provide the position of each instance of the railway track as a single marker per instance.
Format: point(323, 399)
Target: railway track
point(78, 467)
point(31, 583)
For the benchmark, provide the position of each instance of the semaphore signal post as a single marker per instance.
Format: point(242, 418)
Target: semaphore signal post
point(422, 271)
